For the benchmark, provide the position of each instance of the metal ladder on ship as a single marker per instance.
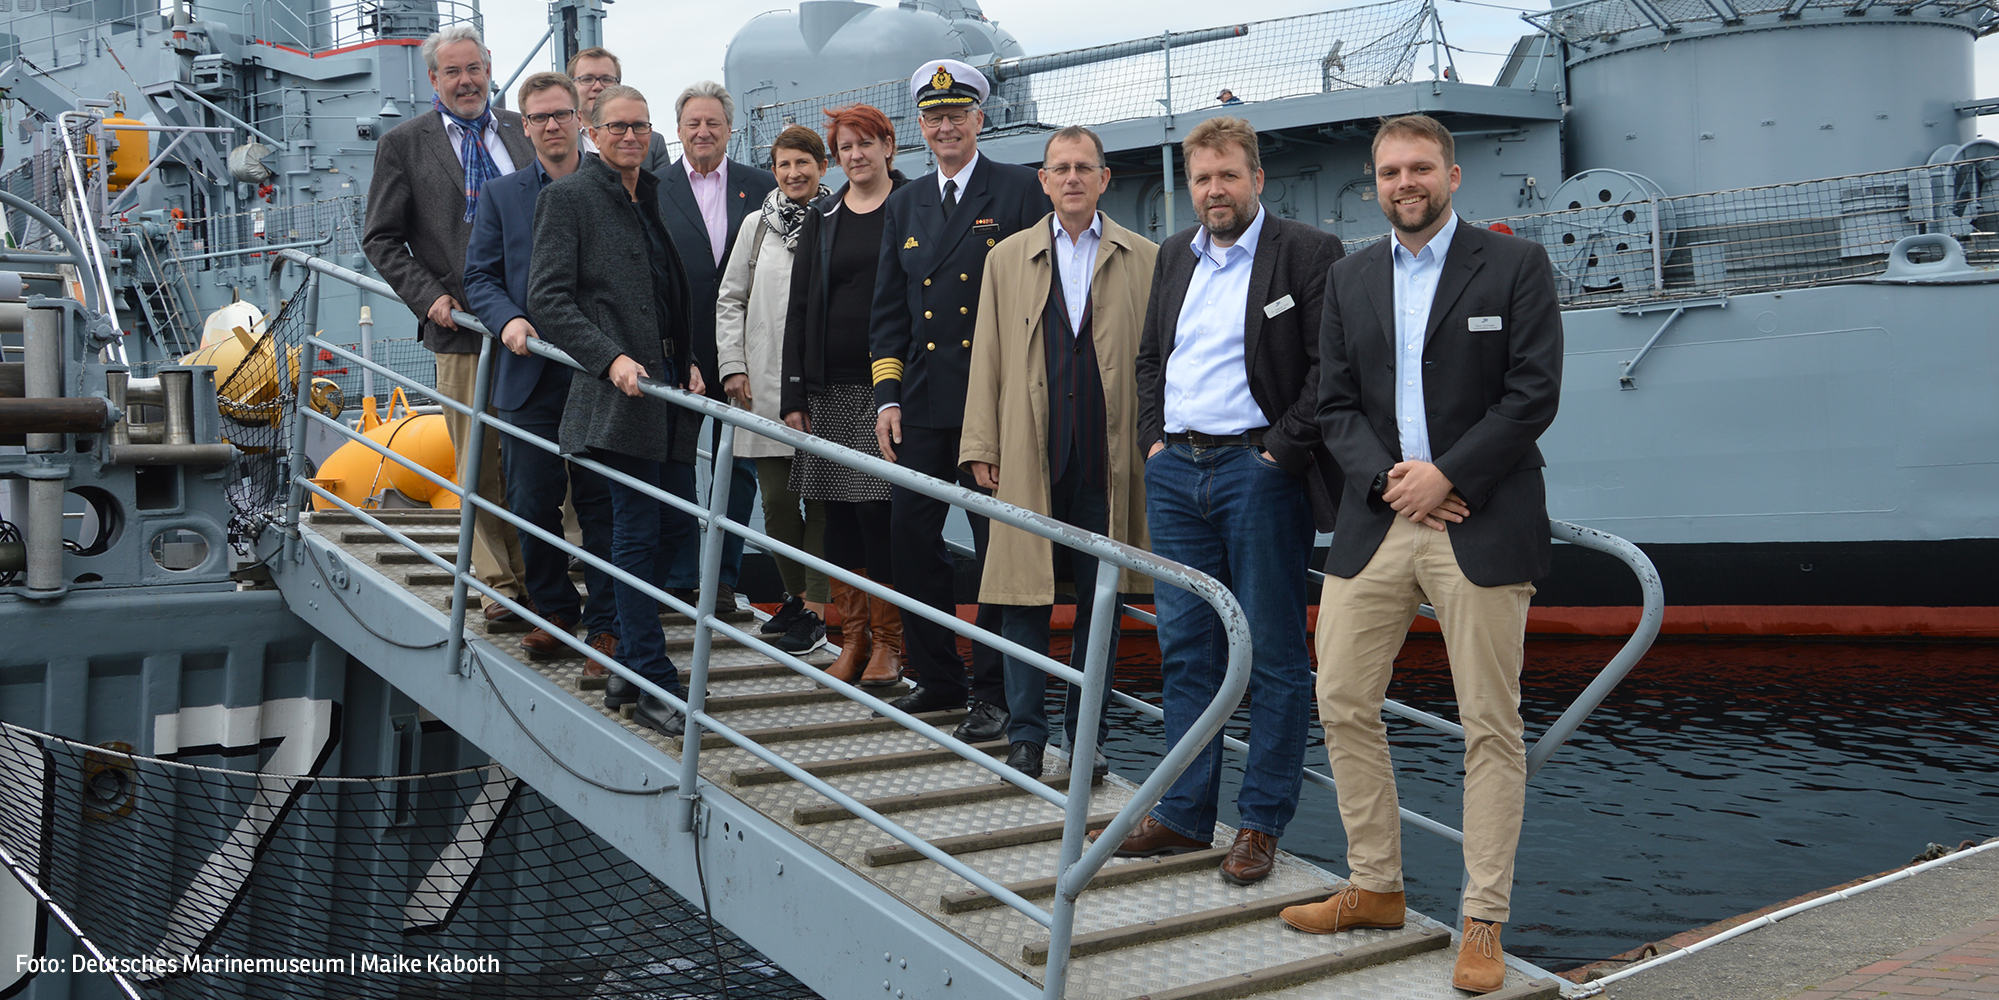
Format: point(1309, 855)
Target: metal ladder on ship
point(839, 843)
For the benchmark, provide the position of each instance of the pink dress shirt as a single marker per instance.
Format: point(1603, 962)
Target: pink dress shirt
point(709, 193)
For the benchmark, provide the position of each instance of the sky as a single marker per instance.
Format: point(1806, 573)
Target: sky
point(700, 33)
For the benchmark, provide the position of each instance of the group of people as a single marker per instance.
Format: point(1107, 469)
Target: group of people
point(1216, 399)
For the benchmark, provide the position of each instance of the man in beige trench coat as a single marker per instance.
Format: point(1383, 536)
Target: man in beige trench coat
point(1051, 417)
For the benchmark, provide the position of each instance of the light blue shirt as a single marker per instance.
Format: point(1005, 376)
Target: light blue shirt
point(1415, 289)
point(1074, 261)
point(1207, 375)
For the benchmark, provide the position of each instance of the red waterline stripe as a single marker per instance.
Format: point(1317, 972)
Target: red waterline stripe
point(349, 48)
point(1747, 620)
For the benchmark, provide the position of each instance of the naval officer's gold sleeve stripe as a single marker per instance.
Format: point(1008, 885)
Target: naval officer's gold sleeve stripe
point(887, 369)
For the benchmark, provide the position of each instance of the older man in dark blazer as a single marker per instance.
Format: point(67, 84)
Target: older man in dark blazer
point(935, 237)
point(421, 203)
point(1441, 364)
point(1228, 370)
point(705, 196)
point(607, 286)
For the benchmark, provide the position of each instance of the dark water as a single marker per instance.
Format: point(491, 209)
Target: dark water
point(1719, 778)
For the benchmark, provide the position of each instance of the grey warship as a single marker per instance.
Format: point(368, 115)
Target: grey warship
point(1772, 222)
point(243, 721)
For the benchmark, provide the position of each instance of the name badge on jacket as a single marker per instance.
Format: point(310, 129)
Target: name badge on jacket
point(1278, 308)
point(1480, 323)
point(985, 225)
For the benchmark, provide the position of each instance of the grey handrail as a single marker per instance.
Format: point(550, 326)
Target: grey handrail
point(1077, 863)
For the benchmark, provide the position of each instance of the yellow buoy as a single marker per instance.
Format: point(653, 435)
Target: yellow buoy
point(133, 150)
point(361, 476)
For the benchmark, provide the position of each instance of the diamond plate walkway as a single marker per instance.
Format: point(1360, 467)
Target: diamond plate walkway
point(1155, 928)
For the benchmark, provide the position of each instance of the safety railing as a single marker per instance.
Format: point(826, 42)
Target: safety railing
point(1650, 618)
point(1077, 862)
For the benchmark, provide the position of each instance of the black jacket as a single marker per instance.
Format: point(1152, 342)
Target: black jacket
point(927, 289)
point(746, 190)
point(805, 314)
point(590, 290)
point(1281, 352)
point(1492, 378)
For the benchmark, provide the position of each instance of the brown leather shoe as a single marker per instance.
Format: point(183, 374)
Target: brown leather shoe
point(1250, 858)
point(595, 674)
point(1347, 909)
point(543, 645)
point(1150, 839)
point(885, 662)
point(856, 637)
point(1481, 965)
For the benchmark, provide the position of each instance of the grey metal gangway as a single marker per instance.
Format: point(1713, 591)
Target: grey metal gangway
point(643, 801)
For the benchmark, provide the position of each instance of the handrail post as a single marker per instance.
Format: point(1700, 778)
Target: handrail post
point(1099, 663)
point(704, 614)
point(468, 512)
point(295, 458)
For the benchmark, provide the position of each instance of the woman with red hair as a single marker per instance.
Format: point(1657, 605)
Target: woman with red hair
point(828, 386)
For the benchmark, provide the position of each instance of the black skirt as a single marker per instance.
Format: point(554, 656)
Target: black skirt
point(843, 414)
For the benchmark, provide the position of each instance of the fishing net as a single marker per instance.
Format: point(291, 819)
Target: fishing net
point(204, 882)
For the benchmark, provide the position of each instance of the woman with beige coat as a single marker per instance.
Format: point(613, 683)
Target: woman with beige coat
point(749, 341)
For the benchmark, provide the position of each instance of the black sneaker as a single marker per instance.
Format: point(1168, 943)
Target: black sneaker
point(786, 616)
point(807, 629)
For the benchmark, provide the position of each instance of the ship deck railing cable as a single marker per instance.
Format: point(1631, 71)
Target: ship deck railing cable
point(1349, 48)
point(1612, 250)
point(1593, 22)
point(1076, 864)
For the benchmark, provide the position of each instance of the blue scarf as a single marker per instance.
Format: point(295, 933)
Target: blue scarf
point(472, 153)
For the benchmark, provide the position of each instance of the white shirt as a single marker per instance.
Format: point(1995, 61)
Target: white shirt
point(1075, 261)
point(961, 177)
point(1416, 278)
point(1207, 375)
point(493, 143)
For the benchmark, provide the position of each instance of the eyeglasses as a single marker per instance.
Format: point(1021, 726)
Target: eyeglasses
point(932, 119)
point(620, 128)
point(590, 78)
point(540, 118)
point(1083, 170)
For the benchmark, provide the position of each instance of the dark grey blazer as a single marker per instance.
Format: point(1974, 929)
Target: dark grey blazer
point(1281, 352)
point(416, 231)
point(747, 188)
point(589, 289)
point(1490, 389)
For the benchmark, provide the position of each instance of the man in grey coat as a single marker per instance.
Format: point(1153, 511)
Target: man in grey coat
point(608, 288)
point(421, 203)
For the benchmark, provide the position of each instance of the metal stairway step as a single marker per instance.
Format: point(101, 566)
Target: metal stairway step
point(396, 517)
point(825, 730)
point(963, 795)
point(972, 843)
point(1318, 967)
point(852, 765)
point(1179, 925)
point(1134, 871)
point(423, 536)
point(399, 556)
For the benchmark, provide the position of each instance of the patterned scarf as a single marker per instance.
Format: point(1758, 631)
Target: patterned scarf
point(785, 217)
point(472, 153)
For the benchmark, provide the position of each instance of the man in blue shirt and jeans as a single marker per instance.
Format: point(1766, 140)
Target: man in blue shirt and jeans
point(1235, 481)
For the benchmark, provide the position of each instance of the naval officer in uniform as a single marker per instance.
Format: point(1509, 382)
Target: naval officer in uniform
point(935, 237)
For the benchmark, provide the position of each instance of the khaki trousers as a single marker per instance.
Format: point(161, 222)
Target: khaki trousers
point(496, 550)
point(1362, 624)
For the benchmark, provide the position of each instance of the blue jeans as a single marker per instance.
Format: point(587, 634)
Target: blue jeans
point(1228, 513)
point(636, 549)
point(536, 481)
point(685, 567)
point(679, 533)
point(1026, 684)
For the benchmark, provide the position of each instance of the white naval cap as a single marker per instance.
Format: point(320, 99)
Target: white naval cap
point(947, 83)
